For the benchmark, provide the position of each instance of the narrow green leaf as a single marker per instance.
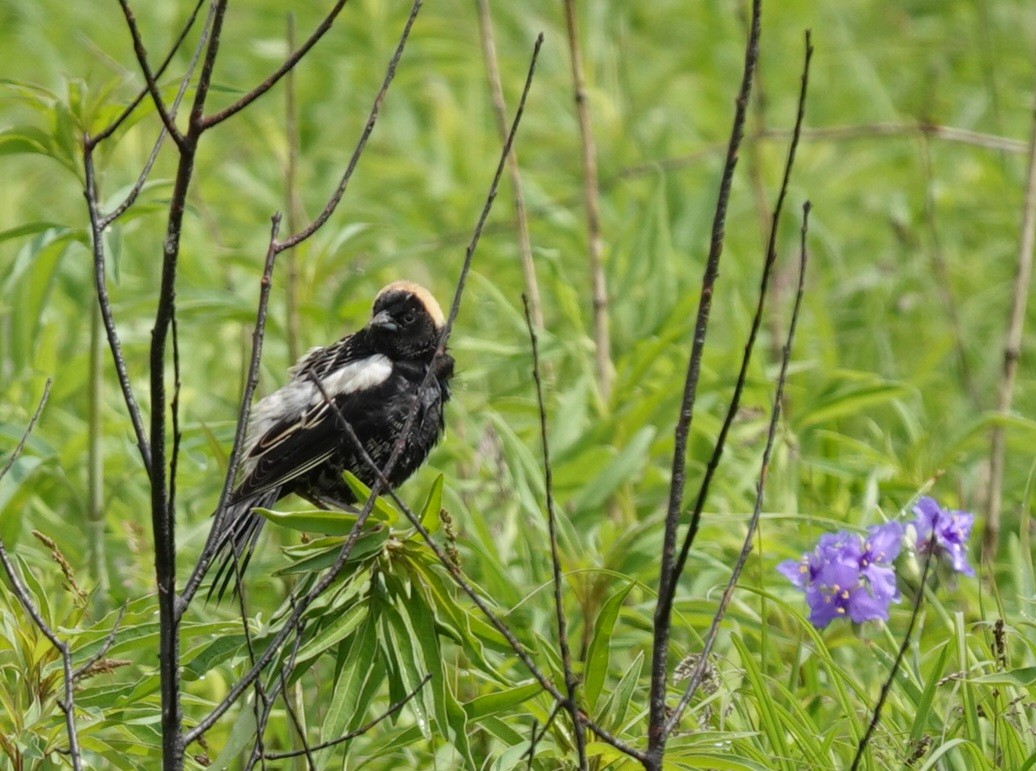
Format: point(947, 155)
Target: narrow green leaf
point(432, 506)
point(341, 627)
point(323, 552)
point(408, 670)
point(316, 520)
point(363, 493)
point(494, 703)
point(1022, 678)
point(599, 652)
point(359, 663)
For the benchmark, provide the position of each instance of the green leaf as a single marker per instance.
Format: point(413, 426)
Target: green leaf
point(363, 494)
point(359, 664)
point(599, 652)
point(341, 627)
point(1022, 678)
point(617, 705)
point(432, 506)
point(317, 520)
point(323, 552)
point(494, 703)
point(408, 669)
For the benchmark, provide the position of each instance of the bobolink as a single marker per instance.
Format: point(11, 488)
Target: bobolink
point(296, 442)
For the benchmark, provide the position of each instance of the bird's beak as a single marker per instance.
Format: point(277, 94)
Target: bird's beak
point(384, 321)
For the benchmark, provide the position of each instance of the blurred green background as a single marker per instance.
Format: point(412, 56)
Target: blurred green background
point(914, 238)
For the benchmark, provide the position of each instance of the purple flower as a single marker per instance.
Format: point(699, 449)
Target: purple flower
point(950, 529)
point(848, 575)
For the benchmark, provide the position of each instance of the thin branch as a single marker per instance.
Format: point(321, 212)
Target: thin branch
point(280, 72)
point(336, 196)
point(571, 681)
point(1012, 351)
point(268, 698)
point(532, 289)
point(742, 376)
point(667, 572)
point(252, 380)
point(185, 81)
point(300, 729)
point(25, 598)
point(887, 685)
point(163, 523)
point(292, 204)
point(17, 451)
point(591, 199)
point(393, 709)
point(109, 641)
point(96, 139)
point(149, 77)
point(694, 680)
point(535, 737)
point(105, 305)
point(835, 134)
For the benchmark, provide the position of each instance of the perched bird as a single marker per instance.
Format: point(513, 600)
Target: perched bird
point(296, 441)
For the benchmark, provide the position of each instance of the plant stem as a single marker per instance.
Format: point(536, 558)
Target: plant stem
point(1012, 350)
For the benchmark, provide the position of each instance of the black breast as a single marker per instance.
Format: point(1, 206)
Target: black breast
point(378, 416)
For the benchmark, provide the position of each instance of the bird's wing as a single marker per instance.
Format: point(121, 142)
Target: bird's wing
point(295, 428)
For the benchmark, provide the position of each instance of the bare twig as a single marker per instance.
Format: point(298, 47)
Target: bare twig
point(163, 523)
point(835, 134)
point(90, 142)
point(694, 680)
point(96, 139)
point(267, 700)
point(293, 58)
point(667, 572)
point(105, 305)
point(571, 681)
point(258, 332)
point(95, 463)
point(591, 198)
point(149, 76)
point(297, 238)
point(293, 203)
point(535, 735)
point(25, 598)
point(393, 709)
point(764, 283)
point(87, 665)
point(300, 729)
point(17, 451)
point(1012, 350)
point(887, 685)
point(532, 289)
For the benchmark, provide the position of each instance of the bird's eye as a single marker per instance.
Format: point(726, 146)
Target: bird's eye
point(409, 317)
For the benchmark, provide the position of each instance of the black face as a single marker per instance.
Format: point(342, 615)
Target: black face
point(402, 325)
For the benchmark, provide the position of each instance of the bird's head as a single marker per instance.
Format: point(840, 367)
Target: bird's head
point(406, 320)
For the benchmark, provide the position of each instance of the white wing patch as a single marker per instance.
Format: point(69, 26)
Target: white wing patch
point(291, 401)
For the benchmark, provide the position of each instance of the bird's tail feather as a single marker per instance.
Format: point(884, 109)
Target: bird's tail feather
point(240, 530)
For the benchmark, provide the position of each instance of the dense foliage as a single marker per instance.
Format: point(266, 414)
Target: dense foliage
point(915, 160)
